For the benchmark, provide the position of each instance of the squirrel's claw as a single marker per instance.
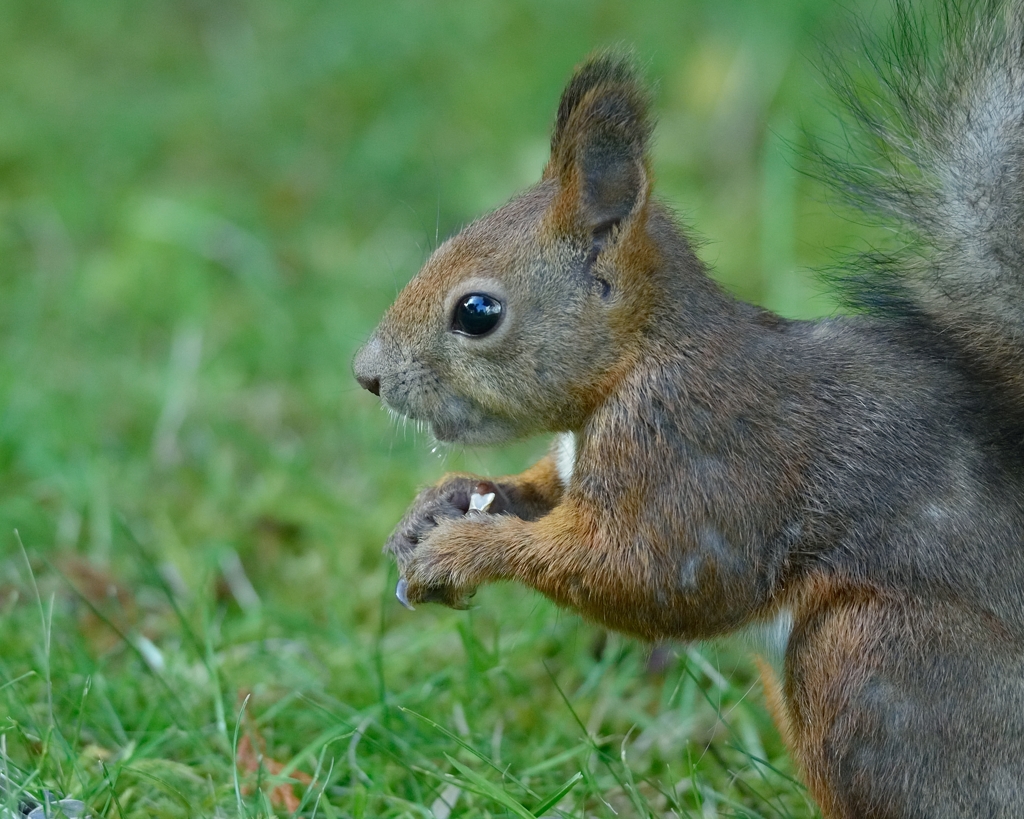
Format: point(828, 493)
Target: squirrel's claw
point(402, 593)
point(444, 594)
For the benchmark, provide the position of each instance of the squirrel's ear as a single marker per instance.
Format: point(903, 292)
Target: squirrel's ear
point(599, 147)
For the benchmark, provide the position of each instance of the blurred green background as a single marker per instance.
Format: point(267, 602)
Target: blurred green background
point(204, 208)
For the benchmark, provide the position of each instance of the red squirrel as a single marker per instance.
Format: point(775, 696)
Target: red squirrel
point(853, 486)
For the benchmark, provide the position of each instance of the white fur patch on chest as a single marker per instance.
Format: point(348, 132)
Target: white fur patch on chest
point(565, 457)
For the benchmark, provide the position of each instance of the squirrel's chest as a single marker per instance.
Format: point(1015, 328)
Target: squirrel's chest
point(565, 457)
point(767, 638)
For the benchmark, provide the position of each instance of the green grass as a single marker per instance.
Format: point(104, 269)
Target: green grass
point(204, 208)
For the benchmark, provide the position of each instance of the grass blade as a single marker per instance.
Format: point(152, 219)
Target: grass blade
point(477, 784)
point(556, 797)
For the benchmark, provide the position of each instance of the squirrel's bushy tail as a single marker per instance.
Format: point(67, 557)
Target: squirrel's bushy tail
point(942, 123)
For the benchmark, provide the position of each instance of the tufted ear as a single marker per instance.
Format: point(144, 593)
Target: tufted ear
point(599, 146)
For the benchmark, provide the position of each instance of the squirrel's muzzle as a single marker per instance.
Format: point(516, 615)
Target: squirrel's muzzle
point(366, 366)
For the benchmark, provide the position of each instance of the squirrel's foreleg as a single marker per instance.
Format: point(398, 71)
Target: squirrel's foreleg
point(610, 571)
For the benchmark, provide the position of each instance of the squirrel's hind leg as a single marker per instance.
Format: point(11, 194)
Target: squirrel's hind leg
point(906, 708)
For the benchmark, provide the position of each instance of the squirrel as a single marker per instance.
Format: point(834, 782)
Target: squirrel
point(852, 486)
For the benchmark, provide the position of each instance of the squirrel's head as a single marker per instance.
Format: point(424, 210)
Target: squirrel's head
point(521, 322)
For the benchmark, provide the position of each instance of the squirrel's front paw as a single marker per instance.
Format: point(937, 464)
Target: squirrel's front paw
point(451, 499)
point(454, 559)
point(445, 567)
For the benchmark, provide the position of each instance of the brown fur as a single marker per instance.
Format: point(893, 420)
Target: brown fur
point(730, 467)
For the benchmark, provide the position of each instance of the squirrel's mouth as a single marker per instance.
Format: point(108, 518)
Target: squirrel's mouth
point(484, 431)
point(446, 431)
point(454, 420)
point(452, 431)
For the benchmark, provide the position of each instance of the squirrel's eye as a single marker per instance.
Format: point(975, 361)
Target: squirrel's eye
point(476, 314)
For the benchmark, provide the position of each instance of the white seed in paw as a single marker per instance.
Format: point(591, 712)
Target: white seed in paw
point(480, 503)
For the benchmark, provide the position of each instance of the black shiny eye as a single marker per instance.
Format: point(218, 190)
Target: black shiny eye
point(476, 314)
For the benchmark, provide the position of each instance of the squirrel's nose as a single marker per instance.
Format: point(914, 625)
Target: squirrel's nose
point(369, 382)
point(367, 365)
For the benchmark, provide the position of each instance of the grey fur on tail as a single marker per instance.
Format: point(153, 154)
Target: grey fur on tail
point(937, 147)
